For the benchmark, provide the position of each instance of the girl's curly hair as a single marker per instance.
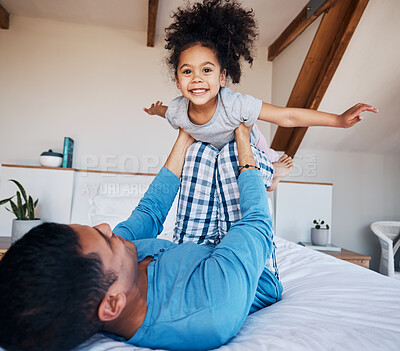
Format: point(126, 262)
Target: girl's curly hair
point(221, 25)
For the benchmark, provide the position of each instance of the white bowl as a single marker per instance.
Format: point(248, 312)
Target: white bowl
point(50, 161)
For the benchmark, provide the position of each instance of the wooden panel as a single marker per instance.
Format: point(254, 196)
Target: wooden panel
point(351, 256)
point(362, 263)
point(336, 52)
point(152, 22)
point(317, 54)
point(323, 58)
point(295, 28)
point(81, 170)
point(4, 18)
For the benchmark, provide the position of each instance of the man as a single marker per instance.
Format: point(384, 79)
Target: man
point(65, 283)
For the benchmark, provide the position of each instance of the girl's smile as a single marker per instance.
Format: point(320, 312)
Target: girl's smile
point(198, 91)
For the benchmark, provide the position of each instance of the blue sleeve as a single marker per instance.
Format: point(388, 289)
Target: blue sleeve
point(146, 220)
point(238, 261)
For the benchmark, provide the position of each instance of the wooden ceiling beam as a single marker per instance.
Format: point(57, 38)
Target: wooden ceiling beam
point(152, 22)
point(4, 18)
point(323, 58)
point(295, 28)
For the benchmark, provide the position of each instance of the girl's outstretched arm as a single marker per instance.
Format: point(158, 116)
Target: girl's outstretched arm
point(301, 117)
point(156, 109)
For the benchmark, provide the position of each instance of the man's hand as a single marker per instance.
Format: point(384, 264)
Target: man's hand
point(156, 109)
point(243, 132)
point(185, 137)
point(352, 115)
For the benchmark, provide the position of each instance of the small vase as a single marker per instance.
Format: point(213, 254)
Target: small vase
point(319, 237)
point(21, 227)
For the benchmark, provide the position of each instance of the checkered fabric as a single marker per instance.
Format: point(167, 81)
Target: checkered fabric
point(208, 201)
point(197, 213)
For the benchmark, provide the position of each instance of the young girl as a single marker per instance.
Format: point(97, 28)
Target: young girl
point(207, 42)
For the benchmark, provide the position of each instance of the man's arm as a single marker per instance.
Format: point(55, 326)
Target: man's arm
point(177, 155)
point(301, 117)
point(232, 272)
point(146, 221)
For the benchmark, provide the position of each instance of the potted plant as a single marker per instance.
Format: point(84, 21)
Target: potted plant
point(320, 233)
point(25, 212)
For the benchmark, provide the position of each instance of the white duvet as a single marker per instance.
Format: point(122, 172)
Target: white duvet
point(327, 304)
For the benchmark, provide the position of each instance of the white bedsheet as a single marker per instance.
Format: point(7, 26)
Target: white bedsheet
point(327, 304)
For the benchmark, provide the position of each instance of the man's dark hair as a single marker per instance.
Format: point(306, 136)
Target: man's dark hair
point(50, 292)
point(220, 25)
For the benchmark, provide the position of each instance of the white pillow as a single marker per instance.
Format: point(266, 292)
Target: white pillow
point(116, 209)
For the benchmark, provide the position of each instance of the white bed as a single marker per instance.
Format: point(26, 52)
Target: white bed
point(327, 304)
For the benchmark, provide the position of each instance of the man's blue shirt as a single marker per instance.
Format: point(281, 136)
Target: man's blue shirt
point(199, 295)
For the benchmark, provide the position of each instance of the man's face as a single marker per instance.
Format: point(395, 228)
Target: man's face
point(117, 254)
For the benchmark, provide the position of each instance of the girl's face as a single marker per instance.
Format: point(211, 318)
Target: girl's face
point(199, 75)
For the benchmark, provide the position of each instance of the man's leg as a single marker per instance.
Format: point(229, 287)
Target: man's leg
point(197, 208)
point(228, 191)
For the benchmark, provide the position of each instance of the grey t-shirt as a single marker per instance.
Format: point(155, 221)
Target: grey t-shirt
point(232, 109)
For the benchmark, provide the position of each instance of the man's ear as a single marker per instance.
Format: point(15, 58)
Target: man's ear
point(222, 78)
point(111, 306)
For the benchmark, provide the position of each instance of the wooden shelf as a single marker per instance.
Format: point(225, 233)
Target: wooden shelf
point(350, 256)
point(80, 170)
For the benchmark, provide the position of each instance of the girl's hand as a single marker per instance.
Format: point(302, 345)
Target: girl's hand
point(156, 109)
point(352, 115)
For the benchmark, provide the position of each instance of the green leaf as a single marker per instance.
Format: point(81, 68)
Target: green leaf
point(327, 226)
point(2, 202)
point(19, 205)
point(323, 222)
point(318, 226)
point(21, 188)
point(35, 203)
point(31, 209)
point(15, 209)
point(315, 221)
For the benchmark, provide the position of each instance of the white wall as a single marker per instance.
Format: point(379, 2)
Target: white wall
point(365, 190)
point(61, 79)
point(366, 184)
point(91, 83)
